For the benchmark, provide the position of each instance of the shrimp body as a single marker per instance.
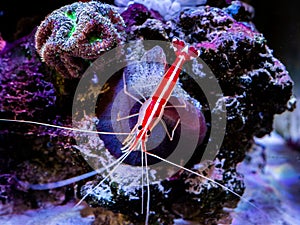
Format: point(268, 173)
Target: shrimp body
point(152, 110)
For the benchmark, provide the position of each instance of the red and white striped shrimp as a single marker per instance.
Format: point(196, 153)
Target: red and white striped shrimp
point(150, 114)
point(152, 109)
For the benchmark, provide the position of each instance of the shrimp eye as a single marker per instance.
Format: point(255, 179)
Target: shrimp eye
point(140, 127)
point(148, 132)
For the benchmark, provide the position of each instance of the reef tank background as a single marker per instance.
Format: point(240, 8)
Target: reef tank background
point(270, 169)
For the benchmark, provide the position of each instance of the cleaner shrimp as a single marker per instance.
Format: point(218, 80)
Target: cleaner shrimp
point(148, 117)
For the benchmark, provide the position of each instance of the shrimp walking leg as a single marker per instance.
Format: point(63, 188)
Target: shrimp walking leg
point(137, 90)
point(127, 92)
point(120, 161)
point(144, 151)
point(171, 136)
point(119, 118)
point(176, 106)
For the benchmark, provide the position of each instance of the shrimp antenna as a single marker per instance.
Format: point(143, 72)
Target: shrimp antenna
point(62, 127)
point(207, 178)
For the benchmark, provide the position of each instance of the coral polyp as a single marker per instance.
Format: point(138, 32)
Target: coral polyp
point(74, 35)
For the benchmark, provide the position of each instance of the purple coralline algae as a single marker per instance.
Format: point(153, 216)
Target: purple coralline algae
point(32, 154)
point(166, 8)
point(137, 16)
point(25, 92)
point(71, 37)
point(144, 23)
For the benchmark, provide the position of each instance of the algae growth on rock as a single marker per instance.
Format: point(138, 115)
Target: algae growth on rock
point(39, 84)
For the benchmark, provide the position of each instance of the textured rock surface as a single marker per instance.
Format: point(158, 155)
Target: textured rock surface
point(25, 92)
point(255, 84)
point(136, 16)
point(32, 154)
point(248, 73)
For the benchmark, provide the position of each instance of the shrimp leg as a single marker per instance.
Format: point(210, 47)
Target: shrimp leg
point(126, 117)
point(176, 106)
point(144, 151)
point(173, 130)
point(128, 93)
point(65, 128)
point(120, 161)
